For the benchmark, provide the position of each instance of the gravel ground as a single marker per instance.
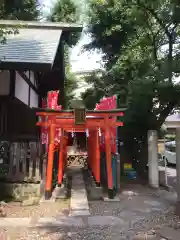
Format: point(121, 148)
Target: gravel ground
point(96, 233)
point(135, 201)
point(15, 209)
point(29, 234)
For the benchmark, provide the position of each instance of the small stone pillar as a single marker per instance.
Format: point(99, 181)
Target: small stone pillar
point(153, 170)
point(178, 164)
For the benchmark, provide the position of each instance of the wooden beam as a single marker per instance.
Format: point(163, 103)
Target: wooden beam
point(12, 83)
point(29, 92)
point(87, 125)
point(48, 112)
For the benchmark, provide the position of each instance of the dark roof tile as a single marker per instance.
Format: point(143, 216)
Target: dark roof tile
point(31, 46)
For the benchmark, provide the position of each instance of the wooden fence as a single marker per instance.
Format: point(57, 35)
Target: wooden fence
point(21, 161)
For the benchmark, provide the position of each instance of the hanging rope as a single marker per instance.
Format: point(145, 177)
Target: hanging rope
point(72, 134)
point(99, 131)
point(87, 133)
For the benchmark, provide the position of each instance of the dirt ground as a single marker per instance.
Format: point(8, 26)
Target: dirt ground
point(15, 209)
point(30, 234)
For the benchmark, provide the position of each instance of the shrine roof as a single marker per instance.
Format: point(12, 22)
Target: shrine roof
point(35, 45)
point(68, 27)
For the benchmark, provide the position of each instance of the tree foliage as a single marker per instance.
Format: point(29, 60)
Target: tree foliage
point(20, 10)
point(140, 43)
point(93, 95)
point(66, 11)
point(17, 10)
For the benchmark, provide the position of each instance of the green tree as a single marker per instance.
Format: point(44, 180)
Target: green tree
point(17, 10)
point(91, 96)
point(139, 40)
point(64, 10)
point(67, 11)
point(20, 10)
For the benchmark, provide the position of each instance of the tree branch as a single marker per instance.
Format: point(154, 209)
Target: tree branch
point(164, 113)
point(151, 11)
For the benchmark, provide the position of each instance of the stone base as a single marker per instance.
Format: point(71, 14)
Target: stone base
point(31, 201)
point(19, 191)
point(96, 193)
point(59, 192)
point(43, 200)
point(106, 199)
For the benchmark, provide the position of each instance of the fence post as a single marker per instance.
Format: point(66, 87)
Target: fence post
point(153, 170)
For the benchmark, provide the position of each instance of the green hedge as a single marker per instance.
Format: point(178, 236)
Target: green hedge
point(170, 137)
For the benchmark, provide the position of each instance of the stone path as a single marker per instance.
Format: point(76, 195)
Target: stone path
point(79, 202)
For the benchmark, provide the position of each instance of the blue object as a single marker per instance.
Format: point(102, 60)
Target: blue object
point(114, 170)
point(132, 174)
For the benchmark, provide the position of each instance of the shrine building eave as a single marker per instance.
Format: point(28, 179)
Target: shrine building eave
point(34, 47)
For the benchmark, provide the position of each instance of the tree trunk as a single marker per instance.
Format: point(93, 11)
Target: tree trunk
point(143, 160)
point(170, 58)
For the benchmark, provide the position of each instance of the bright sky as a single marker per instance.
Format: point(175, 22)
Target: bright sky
point(79, 61)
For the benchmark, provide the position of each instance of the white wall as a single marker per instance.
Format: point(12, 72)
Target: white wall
point(32, 78)
point(21, 89)
point(4, 83)
point(33, 98)
point(27, 74)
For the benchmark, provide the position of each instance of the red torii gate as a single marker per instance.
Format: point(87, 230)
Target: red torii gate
point(66, 120)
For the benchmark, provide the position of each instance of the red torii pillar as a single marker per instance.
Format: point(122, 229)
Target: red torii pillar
point(97, 158)
point(48, 188)
point(108, 157)
point(61, 159)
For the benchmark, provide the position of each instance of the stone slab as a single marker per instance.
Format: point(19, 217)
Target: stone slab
point(61, 221)
point(143, 236)
point(79, 202)
point(81, 212)
point(169, 233)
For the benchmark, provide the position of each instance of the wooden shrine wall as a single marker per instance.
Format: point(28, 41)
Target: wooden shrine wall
point(21, 162)
point(21, 121)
